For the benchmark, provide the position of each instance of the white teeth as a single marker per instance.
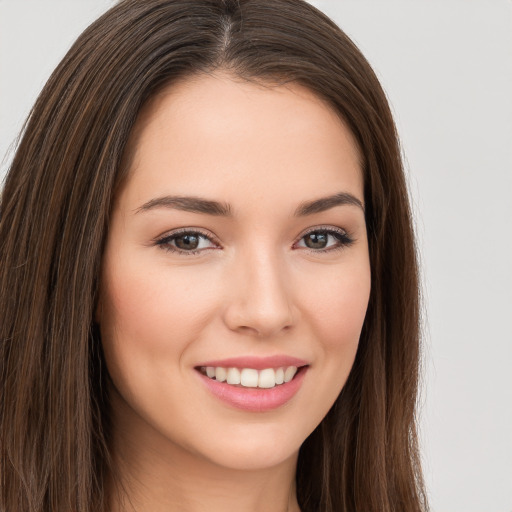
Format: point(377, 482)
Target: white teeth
point(251, 378)
point(233, 376)
point(220, 374)
point(290, 373)
point(267, 378)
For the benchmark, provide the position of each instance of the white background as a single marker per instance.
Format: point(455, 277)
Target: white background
point(447, 68)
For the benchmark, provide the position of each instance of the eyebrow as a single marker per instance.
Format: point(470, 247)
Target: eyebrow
point(326, 203)
point(209, 207)
point(188, 204)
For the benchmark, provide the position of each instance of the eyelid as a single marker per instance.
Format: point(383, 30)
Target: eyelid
point(191, 229)
point(323, 228)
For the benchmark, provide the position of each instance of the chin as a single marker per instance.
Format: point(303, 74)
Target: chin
point(254, 458)
point(257, 448)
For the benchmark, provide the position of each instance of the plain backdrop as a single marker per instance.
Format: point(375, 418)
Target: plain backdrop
point(446, 66)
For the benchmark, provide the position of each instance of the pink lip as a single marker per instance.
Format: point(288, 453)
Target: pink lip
point(254, 399)
point(257, 363)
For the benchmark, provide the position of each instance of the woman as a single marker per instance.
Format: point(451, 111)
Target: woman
point(208, 286)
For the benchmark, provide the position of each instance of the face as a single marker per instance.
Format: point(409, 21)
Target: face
point(237, 247)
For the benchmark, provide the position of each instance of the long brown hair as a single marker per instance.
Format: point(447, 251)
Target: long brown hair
point(54, 217)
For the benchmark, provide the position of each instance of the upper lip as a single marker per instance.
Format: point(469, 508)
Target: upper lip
point(257, 363)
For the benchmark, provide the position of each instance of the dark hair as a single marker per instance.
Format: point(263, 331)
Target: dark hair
point(54, 217)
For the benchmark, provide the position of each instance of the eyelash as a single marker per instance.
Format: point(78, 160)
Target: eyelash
point(343, 238)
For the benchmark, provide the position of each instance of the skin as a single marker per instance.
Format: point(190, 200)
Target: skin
point(254, 289)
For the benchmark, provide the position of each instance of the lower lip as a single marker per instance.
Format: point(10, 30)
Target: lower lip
point(255, 399)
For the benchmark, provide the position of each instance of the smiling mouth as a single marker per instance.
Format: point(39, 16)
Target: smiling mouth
point(251, 378)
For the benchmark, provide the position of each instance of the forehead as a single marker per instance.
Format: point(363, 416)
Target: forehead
point(218, 135)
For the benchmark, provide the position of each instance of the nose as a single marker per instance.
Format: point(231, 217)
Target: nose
point(260, 300)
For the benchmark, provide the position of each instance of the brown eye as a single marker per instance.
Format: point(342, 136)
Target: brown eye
point(187, 242)
point(316, 240)
point(325, 240)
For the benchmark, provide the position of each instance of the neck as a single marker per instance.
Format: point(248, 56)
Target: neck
point(156, 474)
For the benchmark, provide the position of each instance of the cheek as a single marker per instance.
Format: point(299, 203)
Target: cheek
point(148, 318)
point(338, 309)
point(336, 317)
point(150, 305)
